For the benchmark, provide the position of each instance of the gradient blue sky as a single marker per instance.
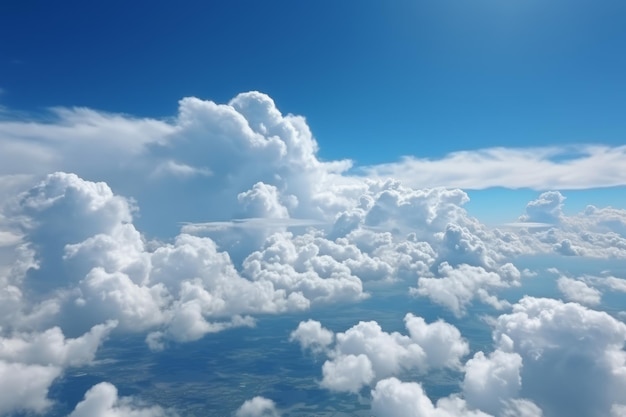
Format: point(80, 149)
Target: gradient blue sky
point(404, 78)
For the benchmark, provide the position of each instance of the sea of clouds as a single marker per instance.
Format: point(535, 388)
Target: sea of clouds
point(177, 228)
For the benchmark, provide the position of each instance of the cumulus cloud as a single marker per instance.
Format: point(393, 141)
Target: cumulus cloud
point(491, 380)
point(594, 232)
point(94, 265)
point(365, 353)
point(228, 148)
point(455, 288)
point(31, 362)
point(102, 400)
point(575, 290)
point(573, 357)
point(393, 398)
point(311, 335)
point(24, 387)
point(274, 229)
point(257, 407)
point(548, 208)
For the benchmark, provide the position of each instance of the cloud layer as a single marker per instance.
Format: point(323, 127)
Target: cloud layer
point(176, 229)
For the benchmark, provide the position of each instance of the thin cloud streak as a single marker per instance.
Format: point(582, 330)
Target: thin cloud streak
point(564, 168)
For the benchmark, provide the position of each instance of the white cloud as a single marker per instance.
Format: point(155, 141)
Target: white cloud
point(180, 290)
point(51, 347)
point(573, 357)
point(393, 398)
point(615, 284)
point(258, 407)
point(102, 400)
point(347, 373)
point(311, 335)
point(490, 381)
point(594, 232)
point(24, 387)
point(365, 353)
point(548, 208)
point(31, 362)
point(455, 288)
point(575, 290)
point(71, 256)
point(586, 166)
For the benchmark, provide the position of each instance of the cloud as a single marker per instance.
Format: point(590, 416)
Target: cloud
point(24, 387)
point(229, 150)
point(548, 208)
point(594, 232)
point(578, 291)
point(273, 229)
point(573, 357)
point(102, 400)
point(365, 353)
point(456, 288)
point(490, 381)
point(393, 398)
point(257, 407)
point(31, 362)
point(101, 268)
point(544, 168)
point(615, 284)
point(311, 335)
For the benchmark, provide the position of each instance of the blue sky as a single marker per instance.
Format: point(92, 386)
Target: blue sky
point(285, 209)
point(405, 78)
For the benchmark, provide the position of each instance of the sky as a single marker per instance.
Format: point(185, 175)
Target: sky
point(406, 209)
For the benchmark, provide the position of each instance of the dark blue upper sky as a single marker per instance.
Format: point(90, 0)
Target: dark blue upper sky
point(375, 79)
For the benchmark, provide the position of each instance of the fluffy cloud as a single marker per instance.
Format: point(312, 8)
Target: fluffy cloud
point(548, 208)
point(365, 353)
point(575, 290)
point(229, 148)
point(24, 387)
point(594, 232)
point(311, 335)
point(284, 231)
point(455, 288)
point(490, 381)
point(257, 407)
point(393, 398)
point(84, 238)
point(30, 362)
point(102, 401)
point(573, 357)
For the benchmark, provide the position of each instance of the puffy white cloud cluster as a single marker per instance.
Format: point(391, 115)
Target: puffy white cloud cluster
point(102, 400)
point(30, 362)
point(393, 398)
point(273, 229)
point(365, 353)
point(87, 247)
point(594, 232)
point(573, 357)
point(257, 407)
point(455, 288)
point(579, 291)
point(550, 357)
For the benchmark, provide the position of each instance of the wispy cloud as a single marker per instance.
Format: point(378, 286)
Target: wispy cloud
point(565, 168)
point(249, 223)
